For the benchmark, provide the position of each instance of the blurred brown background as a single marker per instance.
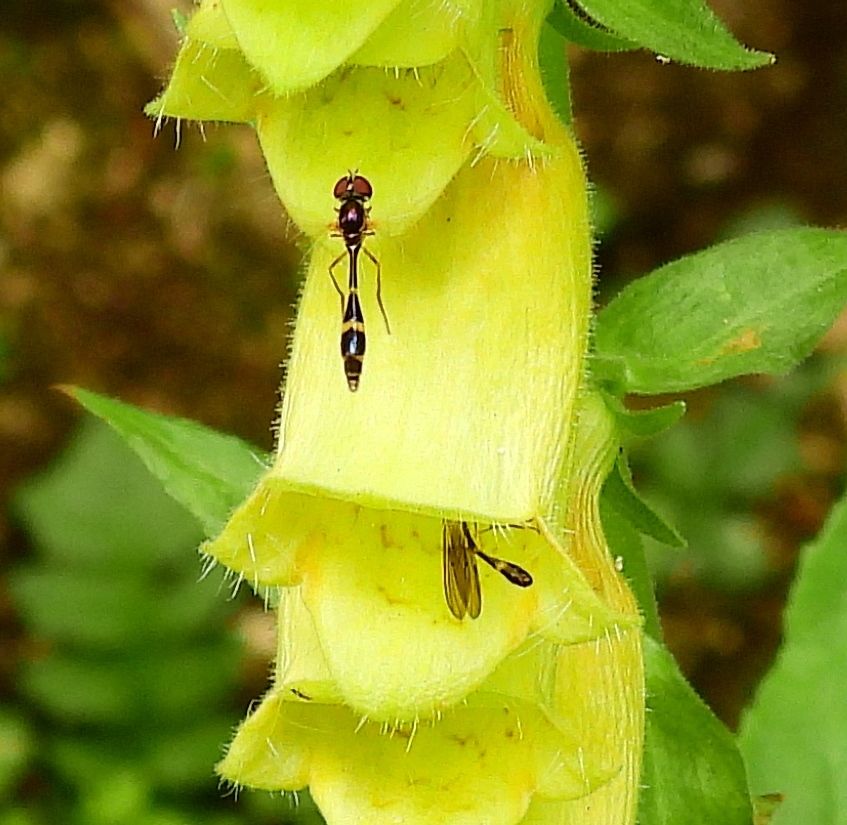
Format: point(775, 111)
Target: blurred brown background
point(167, 278)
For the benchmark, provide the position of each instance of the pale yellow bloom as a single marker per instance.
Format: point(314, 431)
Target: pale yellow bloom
point(473, 409)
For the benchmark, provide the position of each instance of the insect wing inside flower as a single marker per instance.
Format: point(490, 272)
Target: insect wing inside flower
point(461, 577)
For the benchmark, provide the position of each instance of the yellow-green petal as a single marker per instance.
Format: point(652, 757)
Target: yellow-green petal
point(406, 132)
point(298, 43)
point(209, 83)
point(369, 580)
point(503, 52)
point(418, 33)
point(209, 25)
point(553, 736)
point(465, 408)
point(607, 713)
point(477, 764)
point(268, 535)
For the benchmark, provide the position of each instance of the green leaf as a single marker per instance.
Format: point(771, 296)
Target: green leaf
point(623, 496)
point(625, 544)
point(794, 735)
point(709, 475)
point(577, 29)
point(115, 795)
point(682, 30)
point(757, 304)
point(18, 816)
point(605, 211)
point(209, 473)
point(132, 664)
point(174, 759)
point(179, 758)
point(693, 772)
point(764, 808)
point(96, 508)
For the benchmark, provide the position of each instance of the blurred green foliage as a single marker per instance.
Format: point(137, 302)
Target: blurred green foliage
point(5, 356)
point(126, 691)
point(16, 749)
point(713, 471)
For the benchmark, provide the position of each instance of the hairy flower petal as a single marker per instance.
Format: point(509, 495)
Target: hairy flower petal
point(418, 33)
point(466, 408)
point(210, 25)
point(472, 408)
point(209, 83)
point(371, 580)
point(609, 709)
point(407, 132)
point(479, 763)
point(296, 44)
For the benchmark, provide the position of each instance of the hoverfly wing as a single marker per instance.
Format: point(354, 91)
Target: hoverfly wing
point(452, 588)
point(474, 590)
point(469, 546)
point(461, 577)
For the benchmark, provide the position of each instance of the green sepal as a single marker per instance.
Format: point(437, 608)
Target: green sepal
point(180, 21)
point(622, 495)
point(627, 548)
point(555, 71)
point(644, 423)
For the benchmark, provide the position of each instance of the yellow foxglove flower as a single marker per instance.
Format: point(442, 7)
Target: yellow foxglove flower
point(471, 412)
point(552, 735)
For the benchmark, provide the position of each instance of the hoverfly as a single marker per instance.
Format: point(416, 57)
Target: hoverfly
point(353, 193)
point(459, 551)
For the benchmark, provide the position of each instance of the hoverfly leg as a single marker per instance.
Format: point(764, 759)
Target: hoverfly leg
point(332, 266)
point(378, 266)
point(510, 571)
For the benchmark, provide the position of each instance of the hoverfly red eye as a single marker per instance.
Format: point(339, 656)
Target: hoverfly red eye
point(342, 187)
point(361, 187)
